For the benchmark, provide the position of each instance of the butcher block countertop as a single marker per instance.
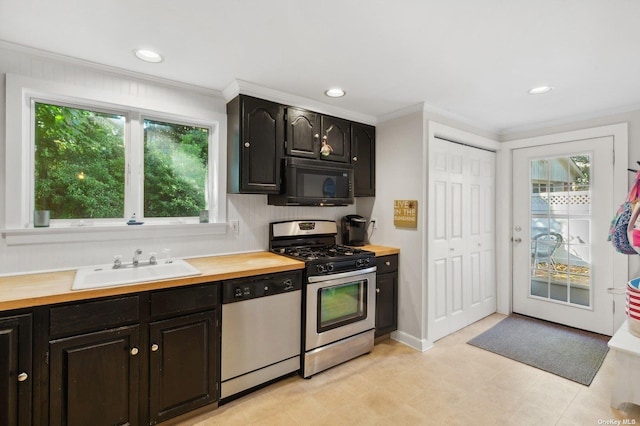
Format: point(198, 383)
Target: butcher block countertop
point(23, 291)
point(29, 290)
point(381, 250)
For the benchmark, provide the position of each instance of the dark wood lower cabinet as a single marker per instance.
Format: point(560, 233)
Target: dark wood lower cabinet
point(94, 378)
point(182, 365)
point(386, 295)
point(16, 378)
point(133, 360)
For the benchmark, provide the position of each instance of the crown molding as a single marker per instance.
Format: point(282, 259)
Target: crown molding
point(430, 109)
point(510, 132)
point(401, 112)
point(114, 71)
point(251, 89)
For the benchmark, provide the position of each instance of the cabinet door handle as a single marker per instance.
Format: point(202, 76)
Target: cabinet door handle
point(377, 290)
point(355, 158)
point(155, 347)
point(23, 377)
point(387, 263)
point(134, 351)
point(247, 144)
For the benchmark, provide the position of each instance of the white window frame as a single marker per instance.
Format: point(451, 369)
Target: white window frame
point(22, 92)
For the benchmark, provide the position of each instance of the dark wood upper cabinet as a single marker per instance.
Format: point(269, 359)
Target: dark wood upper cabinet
point(255, 141)
point(303, 133)
point(312, 135)
point(336, 134)
point(363, 158)
point(16, 378)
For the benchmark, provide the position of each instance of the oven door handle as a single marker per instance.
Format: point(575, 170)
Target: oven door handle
point(328, 277)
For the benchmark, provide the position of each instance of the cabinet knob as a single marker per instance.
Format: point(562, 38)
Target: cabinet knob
point(134, 351)
point(355, 158)
point(387, 263)
point(377, 290)
point(247, 144)
point(325, 137)
point(23, 377)
point(316, 136)
point(155, 347)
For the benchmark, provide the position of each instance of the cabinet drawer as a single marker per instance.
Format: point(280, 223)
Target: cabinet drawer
point(387, 263)
point(180, 301)
point(96, 315)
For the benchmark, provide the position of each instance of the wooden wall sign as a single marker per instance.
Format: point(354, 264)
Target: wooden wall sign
point(405, 213)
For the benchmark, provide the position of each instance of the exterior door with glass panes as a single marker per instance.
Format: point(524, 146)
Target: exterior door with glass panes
point(562, 263)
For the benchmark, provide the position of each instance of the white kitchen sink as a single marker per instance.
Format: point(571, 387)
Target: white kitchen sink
point(106, 276)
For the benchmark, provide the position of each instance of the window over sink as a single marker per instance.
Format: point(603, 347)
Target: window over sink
point(95, 159)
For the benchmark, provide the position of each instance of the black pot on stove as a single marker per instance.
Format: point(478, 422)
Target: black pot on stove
point(354, 230)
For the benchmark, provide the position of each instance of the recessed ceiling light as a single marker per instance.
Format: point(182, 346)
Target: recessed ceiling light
point(147, 55)
point(540, 90)
point(335, 93)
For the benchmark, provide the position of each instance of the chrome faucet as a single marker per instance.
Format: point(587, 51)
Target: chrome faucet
point(136, 254)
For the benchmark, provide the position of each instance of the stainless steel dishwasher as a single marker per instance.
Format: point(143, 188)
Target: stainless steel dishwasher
point(261, 327)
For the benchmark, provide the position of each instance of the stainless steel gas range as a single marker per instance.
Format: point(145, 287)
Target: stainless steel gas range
point(338, 312)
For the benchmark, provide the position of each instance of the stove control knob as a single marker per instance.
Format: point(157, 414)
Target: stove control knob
point(367, 261)
point(330, 267)
point(321, 268)
point(238, 292)
point(359, 262)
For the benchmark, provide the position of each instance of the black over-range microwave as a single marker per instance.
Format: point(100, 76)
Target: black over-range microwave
point(314, 183)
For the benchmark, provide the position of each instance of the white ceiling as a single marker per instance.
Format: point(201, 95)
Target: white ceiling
point(471, 59)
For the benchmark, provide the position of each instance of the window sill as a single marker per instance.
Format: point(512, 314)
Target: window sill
point(16, 237)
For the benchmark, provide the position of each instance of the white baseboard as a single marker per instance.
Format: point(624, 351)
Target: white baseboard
point(421, 345)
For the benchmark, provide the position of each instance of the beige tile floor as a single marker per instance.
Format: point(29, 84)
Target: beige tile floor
point(451, 384)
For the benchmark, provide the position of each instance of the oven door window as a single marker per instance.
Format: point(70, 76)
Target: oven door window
point(341, 305)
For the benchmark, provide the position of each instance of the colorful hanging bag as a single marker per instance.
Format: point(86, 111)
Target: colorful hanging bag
point(620, 223)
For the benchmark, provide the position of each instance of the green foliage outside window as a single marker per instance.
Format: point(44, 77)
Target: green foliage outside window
point(79, 162)
point(175, 169)
point(80, 165)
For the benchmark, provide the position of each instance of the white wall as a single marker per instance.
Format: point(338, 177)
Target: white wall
point(252, 211)
point(399, 168)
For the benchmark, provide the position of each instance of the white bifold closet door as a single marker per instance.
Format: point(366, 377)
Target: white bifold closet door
point(461, 237)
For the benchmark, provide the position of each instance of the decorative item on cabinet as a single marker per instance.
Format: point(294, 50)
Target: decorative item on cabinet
point(386, 295)
point(255, 140)
point(317, 136)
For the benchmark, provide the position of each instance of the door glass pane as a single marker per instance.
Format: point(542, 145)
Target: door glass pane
point(560, 229)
